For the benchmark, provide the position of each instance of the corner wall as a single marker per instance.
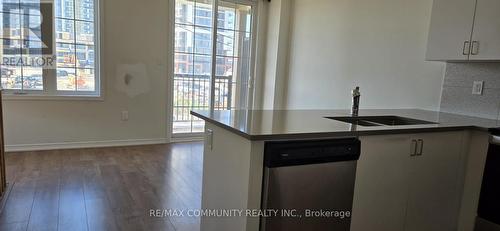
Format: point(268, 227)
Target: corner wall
point(377, 45)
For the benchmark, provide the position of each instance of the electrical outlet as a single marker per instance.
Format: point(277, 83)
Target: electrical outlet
point(477, 87)
point(124, 115)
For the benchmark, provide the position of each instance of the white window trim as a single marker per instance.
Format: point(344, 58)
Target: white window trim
point(47, 94)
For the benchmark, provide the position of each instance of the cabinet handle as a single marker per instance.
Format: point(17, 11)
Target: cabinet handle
point(420, 147)
point(413, 151)
point(466, 48)
point(475, 48)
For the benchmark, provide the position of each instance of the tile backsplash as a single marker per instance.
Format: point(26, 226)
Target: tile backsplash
point(457, 94)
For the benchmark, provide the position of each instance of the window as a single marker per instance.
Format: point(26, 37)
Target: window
point(212, 63)
point(66, 28)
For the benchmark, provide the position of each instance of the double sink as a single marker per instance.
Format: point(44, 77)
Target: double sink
point(370, 121)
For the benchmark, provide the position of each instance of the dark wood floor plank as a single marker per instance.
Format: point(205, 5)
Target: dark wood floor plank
point(72, 211)
point(19, 204)
point(45, 212)
point(100, 216)
point(94, 186)
point(18, 211)
point(103, 188)
point(19, 226)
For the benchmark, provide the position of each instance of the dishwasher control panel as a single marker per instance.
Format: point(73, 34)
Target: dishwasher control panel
point(285, 153)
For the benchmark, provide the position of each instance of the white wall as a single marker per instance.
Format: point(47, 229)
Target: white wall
point(275, 70)
point(271, 49)
point(132, 32)
point(377, 45)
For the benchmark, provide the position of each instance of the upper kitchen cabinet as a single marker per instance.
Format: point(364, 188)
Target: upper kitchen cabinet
point(450, 30)
point(485, 43)
point(463, 30)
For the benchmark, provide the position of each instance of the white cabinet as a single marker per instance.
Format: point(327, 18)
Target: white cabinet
point(463, 30)
point(408, 182)
point(450, 30)
point(381, 190)
point(434, 192)
point(486, 34)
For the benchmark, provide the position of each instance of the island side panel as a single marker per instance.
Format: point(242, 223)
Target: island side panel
point(475, 160)
point(255, 183)
point(232, 179)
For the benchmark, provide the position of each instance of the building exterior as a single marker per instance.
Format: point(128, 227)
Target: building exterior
point(75, 45)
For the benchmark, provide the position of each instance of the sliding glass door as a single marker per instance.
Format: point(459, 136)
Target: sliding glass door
point(213, 64)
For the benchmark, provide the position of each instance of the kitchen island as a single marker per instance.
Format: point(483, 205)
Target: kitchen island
point(394, 189)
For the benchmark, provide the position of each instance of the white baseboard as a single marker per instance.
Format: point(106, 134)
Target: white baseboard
point(86, 144)
point(186, 139)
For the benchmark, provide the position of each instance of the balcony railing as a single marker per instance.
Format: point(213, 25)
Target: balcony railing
point(192, 92)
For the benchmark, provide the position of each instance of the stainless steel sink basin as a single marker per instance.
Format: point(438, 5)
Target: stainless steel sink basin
point(355, 120)
point(380, 120)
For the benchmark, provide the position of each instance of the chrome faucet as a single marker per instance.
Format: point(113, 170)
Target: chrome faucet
point(355, 101)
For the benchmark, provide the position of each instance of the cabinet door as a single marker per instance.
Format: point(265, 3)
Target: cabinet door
point(486, 34)
point(381, 189)
point(450, 29)
point(434, 197)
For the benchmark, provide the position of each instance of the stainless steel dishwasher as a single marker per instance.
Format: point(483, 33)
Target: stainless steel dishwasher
point(309, 185)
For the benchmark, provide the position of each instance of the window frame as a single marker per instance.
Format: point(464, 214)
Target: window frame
point(254, 66)
point(50, 91)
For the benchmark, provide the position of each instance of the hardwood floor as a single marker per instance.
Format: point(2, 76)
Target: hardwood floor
point(103, 189)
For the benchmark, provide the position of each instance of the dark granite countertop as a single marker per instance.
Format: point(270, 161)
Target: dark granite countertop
point(298, 124)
